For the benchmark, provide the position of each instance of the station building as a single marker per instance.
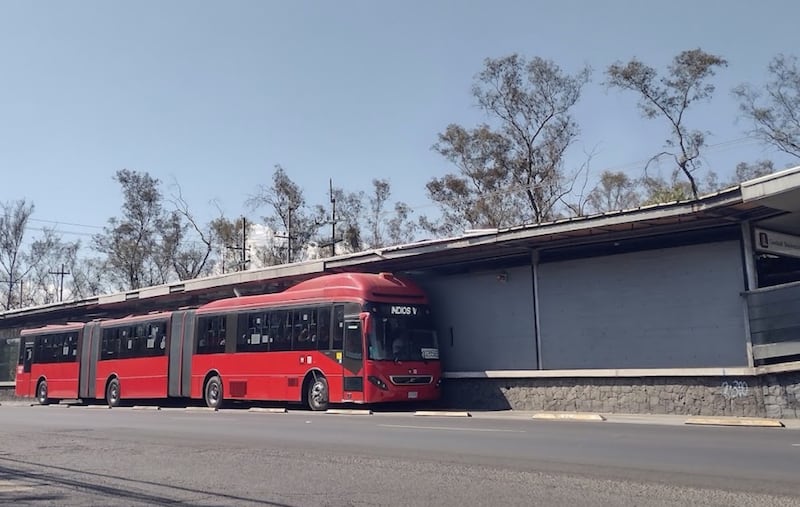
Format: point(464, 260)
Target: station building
point(678, 308)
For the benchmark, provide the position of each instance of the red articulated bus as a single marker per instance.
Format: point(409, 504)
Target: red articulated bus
point(342, 338)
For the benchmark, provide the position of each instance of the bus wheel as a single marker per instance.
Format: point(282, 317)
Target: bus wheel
point(112, 393)
point(213, 392)
point(41, 393)
point(318, 393)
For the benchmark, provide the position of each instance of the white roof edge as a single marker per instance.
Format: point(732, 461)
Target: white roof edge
point(771, 184)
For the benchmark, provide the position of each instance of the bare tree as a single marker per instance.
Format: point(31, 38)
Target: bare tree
point(745, 171)
point(658, 190)
point(14, 218)
point(349, 216)
point(400, 228)
point(50, 258)
point(513, 170)
point(670, 97)
point(290, 216)
point(131, 243)
point(88, 277)
point(775, 111)
point(388, 227)
point(189, 257)
point(381, 191)
point(615, 191)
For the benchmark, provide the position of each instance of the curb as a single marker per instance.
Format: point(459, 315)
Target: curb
point(434, 413)
point(18, 403)
point(267, 410)
point(568, 416)
point(201, 409)
point(97, 407)
point(342, 411)
point(735, 421)
point(145, 407)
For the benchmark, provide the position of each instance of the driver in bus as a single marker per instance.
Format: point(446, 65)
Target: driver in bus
point(399, 343)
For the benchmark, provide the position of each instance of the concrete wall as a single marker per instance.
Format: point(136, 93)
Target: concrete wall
point(669, 308)
point(490, 316)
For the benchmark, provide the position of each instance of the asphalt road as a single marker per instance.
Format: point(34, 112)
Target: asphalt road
point(83, 456)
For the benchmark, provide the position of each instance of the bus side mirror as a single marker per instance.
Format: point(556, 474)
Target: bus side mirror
point(367, 323)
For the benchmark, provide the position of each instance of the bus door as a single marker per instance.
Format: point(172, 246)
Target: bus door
point(28, 358)
point(353, 360)
point(27, 361)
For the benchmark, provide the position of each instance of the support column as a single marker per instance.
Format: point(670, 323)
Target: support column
point(536, 333)
point(751, 283)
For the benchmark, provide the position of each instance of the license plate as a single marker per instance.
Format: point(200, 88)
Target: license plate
point(412, 394)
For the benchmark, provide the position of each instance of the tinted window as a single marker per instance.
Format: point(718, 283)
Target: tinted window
point(211, 333)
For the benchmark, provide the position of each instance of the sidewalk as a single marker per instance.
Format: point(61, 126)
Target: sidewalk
point(663, 419)
point(564, 417)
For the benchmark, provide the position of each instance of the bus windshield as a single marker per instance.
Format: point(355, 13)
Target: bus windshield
point(402, 333)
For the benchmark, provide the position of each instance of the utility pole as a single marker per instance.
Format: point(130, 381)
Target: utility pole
point(242, 249)
point(332, 221)
point(244, 259)
point(333, 218)
point(289, 237)
point(60, 282)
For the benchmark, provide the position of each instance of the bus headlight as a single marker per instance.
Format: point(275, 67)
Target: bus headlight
point(378, 382)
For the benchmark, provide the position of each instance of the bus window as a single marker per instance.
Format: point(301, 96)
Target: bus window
point(280, 325)
point(324, 328)
point(211, 335)
point(305, 329)
point(338, 327)
point(352, 340)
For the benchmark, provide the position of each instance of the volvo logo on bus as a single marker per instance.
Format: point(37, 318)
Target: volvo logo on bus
point(402, 310)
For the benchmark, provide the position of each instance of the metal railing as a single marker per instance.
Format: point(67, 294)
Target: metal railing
point(774, 314)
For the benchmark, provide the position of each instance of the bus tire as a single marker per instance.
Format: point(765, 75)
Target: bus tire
point(318, 393)
point(112, 393)
point(212, 393)
point(41, 393)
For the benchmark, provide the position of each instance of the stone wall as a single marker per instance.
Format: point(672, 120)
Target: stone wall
point(775, 395)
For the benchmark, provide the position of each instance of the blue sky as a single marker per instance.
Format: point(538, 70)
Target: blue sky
point(214, 94)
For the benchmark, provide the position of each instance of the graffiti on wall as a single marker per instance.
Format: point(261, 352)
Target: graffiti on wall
point(735, 389)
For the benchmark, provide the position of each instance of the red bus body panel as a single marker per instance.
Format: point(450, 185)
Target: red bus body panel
point(61, 377)
point(140, 377)
point(274, 376)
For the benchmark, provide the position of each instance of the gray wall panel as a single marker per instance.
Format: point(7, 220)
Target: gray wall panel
point(672, 308)
point(492, 320)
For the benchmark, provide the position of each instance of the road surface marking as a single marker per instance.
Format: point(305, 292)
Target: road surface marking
point(12, 487)
point(449, 428)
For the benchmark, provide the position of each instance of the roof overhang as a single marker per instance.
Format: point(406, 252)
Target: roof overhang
point(767, 200)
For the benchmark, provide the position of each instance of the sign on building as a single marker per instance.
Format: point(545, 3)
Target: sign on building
point(777, 243)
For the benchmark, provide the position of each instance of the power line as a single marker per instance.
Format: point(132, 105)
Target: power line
point(58, 222)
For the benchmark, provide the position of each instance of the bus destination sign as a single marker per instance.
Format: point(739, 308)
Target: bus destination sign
point(401, 310)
